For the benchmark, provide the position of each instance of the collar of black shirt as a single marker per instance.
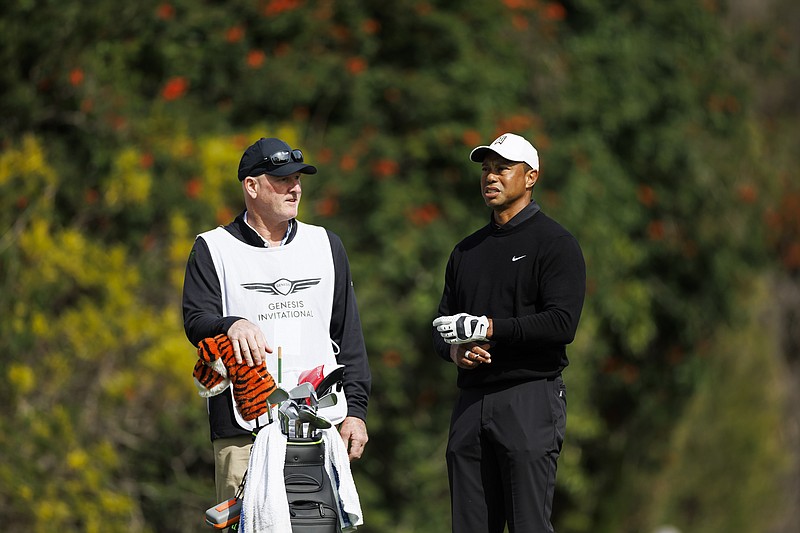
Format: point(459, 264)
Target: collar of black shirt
point(242, 231)
point(528, 212)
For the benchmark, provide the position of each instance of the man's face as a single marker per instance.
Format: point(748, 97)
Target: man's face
point(505, 184)
point(279, 196)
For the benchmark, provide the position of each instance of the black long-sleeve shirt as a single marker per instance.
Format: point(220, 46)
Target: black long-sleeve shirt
point(529, 277)
point(202, 317)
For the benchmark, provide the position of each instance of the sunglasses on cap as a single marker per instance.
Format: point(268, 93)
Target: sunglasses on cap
point(283, 157)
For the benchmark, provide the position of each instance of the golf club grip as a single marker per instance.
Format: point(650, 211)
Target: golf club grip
point(331, 379)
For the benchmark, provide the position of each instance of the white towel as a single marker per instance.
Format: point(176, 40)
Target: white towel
point(265, 508)
point(337, 464)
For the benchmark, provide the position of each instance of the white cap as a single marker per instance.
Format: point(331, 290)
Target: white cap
point(511, 147)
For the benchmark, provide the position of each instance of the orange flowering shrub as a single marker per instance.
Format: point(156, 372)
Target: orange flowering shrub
point(175, 88)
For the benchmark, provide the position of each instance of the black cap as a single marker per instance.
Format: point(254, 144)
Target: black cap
point(274, 157)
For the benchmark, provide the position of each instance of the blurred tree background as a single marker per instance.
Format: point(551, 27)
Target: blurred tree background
point(669, 144)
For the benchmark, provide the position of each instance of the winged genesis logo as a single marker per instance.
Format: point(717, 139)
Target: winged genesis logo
point(283, 286)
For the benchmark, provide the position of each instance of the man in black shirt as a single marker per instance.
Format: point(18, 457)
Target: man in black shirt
point(512, 300)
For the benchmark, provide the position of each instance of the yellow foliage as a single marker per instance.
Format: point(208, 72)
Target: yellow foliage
point(39, 324)
point(58, 366)
point(21, 377)
point(178, 145)
point(61, 256)
point(25, 162)
point(287, 132)
point(82, 307)
point(219, 157)
point(77, 460)
point(72, 265)
point(179, 248)
point(171, 357)
point(129, 183)
point(178, 226)
point(85, 332)
point(27, 190)
point(105, 455)
point(115, 504)
point(39, 428)
point(36, 242)
point(51, 511)
point(91, 480)
point(19, 322)
point(25, 492)
point(122, 384)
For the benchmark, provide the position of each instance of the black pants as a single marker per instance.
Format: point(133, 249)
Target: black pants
point(502, 454)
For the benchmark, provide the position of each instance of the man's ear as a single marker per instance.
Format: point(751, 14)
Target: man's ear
point(531, 177)
point(250, 186)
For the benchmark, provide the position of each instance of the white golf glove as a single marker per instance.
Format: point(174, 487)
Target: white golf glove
point(462, 328)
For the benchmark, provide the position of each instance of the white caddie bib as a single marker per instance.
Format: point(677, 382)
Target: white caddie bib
point(287, 291)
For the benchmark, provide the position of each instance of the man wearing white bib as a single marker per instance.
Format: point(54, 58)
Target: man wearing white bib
point(274, 284)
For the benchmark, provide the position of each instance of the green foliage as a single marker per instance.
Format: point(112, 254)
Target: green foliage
point(721, 438)
point(122, 128)
point(647, 173)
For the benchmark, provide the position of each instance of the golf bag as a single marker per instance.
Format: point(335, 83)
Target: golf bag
point(312, 502)
point(313, 505)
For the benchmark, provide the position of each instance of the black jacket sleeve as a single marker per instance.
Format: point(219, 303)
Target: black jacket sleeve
point(347, 334)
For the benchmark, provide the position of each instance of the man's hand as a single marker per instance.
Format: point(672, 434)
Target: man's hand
point(469, 356)
point(249, 343)
point(354, 434)
point(462, 328)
